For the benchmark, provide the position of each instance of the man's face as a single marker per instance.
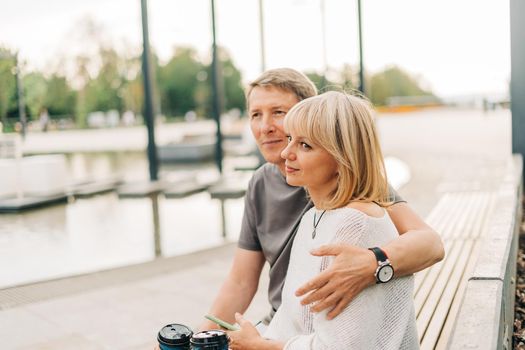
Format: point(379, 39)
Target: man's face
point(267, 107)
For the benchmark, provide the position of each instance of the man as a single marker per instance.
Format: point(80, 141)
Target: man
point(274, 209)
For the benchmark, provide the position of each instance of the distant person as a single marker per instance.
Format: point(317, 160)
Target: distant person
point(333, 151)
point(44, 119)
point(128, 118)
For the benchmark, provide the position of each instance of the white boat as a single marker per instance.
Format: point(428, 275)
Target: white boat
point(189, 149)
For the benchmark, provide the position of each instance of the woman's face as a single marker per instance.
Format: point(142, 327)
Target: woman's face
point(309, 165)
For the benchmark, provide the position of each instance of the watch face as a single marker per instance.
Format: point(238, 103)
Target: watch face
point(385, 273)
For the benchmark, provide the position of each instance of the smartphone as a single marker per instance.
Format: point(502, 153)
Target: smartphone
point(222, 323)
point(261, 327)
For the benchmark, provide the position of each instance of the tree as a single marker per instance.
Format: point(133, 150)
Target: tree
point(321, 82)
point(7, 84)
point(60, 98)
point(348, 78)
point(36, 86)
point(102, 92)
point(178, 82)
point(232, 82)
point(393, 81)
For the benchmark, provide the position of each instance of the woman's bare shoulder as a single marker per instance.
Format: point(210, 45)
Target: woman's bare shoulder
point(369, 209)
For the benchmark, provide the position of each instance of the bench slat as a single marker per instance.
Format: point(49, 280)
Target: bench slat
point(450, 288)
point(443, 219)
point(447, 328)
point(450, 217)
point(425, 313)
point(460, 218)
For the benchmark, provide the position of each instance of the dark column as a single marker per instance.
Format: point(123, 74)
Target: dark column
point(20, 95)
point(517, 85)
point(148, 95)
point(216, 87)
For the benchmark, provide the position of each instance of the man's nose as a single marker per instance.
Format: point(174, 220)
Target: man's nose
point(268, 124)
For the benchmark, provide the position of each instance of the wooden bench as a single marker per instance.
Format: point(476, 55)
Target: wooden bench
point(224, 191)
point(464, 219)
point(460, 218)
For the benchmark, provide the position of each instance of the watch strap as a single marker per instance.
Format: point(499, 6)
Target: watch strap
point(379, 253)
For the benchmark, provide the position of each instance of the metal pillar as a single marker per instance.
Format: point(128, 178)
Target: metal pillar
point(216, 87)
point(261, 30)
point(517, 85)
point(148, 95)
point(20, 94)
point(154, 197)
point(361, 66)
point(323, 34)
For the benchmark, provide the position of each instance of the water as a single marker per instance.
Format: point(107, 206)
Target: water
point(104, 231)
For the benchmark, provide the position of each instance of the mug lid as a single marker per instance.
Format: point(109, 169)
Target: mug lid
point(215, 336)
point(174, 334)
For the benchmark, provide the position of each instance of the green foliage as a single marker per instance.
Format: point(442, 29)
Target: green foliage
point(393, 81)
point(59, 98)
point(185, 84)
point(102, 93)
point(178, 83)
point(7, 84)
point(323, 83)
point(349, 79)
point(35, 86)
point(109, 80)
point(233, 89)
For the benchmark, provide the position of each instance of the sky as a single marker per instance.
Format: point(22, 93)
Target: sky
point(456, 47)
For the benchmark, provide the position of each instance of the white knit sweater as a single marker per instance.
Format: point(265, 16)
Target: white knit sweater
point(380, 317)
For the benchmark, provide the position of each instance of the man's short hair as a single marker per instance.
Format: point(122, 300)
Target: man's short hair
point(287, 79)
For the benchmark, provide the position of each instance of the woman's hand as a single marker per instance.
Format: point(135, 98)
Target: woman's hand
point(247, 337)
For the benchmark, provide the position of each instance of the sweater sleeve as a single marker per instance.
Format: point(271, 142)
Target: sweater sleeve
point(354, 328)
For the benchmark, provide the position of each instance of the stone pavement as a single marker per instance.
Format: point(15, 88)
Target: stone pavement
point(124, 308)
point(117, 309)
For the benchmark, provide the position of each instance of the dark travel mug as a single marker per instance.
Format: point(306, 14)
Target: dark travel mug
point(174, 337)
point(210, 340)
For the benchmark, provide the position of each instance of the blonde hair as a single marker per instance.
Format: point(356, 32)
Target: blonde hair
point(286, 79)
point(343, 125)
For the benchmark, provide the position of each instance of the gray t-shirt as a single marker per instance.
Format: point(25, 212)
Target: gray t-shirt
point(272, 213)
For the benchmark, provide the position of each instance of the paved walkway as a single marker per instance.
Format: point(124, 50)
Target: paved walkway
point(117, 309)
point(123, 308)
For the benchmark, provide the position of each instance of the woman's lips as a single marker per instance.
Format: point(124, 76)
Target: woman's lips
point(290, 170)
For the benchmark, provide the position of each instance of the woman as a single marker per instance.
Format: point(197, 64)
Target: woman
point(334, 152)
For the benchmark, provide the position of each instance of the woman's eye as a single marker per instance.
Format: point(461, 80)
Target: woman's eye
point(305, 145)
point(289, 138)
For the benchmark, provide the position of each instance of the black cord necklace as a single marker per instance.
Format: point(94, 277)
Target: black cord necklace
point(314, 232)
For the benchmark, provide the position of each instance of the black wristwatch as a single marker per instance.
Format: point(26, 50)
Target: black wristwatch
point(384, 272)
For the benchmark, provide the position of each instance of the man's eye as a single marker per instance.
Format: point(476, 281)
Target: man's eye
point(280, 112)
point(254, 115)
